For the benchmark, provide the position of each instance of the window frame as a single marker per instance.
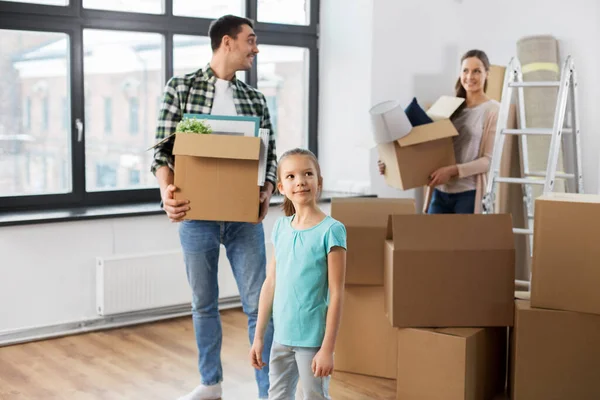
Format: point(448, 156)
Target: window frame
point(73, 19)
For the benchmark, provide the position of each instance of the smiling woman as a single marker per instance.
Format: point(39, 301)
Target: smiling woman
point(458, 188)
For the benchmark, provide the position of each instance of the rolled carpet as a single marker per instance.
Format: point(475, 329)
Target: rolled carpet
point(540, 61)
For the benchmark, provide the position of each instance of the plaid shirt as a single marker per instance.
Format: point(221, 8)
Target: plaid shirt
point(194, 93)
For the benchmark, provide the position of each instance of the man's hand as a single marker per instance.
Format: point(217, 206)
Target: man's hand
point(265, 199)
point(322, 364)
point(443, 175)
point(175, 209)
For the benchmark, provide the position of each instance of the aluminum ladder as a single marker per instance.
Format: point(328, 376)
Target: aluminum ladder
point(567, 90)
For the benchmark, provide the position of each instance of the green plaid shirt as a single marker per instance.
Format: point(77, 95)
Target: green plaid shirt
point(194, 93)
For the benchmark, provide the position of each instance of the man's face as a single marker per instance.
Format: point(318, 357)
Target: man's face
point(243, 49)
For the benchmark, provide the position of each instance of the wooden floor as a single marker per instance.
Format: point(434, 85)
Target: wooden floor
point(152, 361)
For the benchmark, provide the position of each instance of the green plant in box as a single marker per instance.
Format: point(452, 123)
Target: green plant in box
point(193, 125)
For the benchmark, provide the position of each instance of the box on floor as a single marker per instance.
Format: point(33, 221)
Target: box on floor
point(554, 354)
point(449, 270)
point(451, 363)
point(566, 256)
point(366, 220)
point(366, 343)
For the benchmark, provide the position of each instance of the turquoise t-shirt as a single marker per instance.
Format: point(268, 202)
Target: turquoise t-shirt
point(301, 285)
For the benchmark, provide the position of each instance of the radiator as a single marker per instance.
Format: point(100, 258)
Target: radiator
point(140, 282)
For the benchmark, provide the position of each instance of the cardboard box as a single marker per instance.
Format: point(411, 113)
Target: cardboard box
point(366, 225)
point(495, 82)
point(411, 160)
point(449, 270)
point(566, 255)
point(554, 355)
point(218, 175)
point(366, 343)
point(451, 363)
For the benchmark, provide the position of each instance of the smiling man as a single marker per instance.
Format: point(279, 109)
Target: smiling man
point(215, 90)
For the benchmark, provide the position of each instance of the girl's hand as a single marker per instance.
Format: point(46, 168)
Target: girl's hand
point(256, 354)
point(322, 364)
point(442, 175)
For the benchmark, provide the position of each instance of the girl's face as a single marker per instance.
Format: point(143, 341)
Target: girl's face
point(299, 180)
point(473, 75)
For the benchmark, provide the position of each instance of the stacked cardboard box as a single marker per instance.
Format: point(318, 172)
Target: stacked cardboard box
point(427, 299)
point(555, 342)
point(366, 342)
point(449, 288)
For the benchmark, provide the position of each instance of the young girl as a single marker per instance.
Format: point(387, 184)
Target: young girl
point(458, 188)
point(304, 285)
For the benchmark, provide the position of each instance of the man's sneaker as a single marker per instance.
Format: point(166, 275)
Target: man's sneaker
point(202, 392)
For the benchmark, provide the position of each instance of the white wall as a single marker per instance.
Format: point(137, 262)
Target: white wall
point(344, 93)
point(47, 271)
point(415, 49)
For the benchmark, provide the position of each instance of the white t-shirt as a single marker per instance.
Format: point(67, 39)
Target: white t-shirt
point(223, 102)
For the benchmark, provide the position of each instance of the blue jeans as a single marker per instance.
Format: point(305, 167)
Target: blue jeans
point(245, 246)
point(452, 203)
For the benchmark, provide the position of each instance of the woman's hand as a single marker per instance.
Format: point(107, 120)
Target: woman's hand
point(442, 175)
point(381, 166)
point(322, 363)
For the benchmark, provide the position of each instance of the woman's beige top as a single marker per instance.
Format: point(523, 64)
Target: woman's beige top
point(473, 149)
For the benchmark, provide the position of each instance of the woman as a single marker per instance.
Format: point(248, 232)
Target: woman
point(458, 188)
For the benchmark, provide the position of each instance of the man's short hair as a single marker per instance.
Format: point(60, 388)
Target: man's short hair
point(227, 25)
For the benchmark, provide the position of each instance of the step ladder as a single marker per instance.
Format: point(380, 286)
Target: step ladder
point(567, 90)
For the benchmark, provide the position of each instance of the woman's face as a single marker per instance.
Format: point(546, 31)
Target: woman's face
point(473, 75)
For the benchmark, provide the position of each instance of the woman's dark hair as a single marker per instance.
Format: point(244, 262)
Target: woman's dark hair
point(460, 90)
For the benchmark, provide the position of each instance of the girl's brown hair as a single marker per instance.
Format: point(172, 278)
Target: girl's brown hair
point(459, 89)
point(288, 206)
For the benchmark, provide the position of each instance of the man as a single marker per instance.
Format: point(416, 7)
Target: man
point(215, 90)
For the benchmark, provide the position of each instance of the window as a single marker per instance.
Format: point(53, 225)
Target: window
point(125, 70)
point(106, 176)
point(208, 8)
point(139, 6)
point(295, 12)
point(134, 177)
point(45, 2)
point(107, 115)
point(273, 111)
point(27, 113)
point(65, 113)
point(77, 140)
point(27, 59)
point(283, 79)
point(134, 106)
point(45, 113)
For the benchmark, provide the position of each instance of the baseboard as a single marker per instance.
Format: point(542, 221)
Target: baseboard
point(19, 336)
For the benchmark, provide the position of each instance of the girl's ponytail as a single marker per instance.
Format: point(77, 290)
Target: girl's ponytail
point(288, 207)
